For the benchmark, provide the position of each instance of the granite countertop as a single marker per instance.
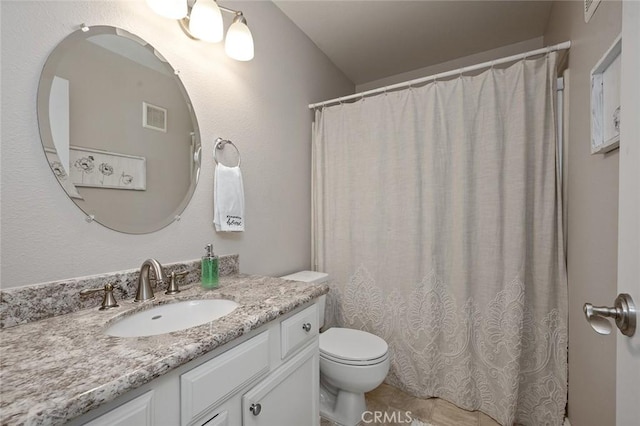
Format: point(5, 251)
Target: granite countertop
point(59, 368)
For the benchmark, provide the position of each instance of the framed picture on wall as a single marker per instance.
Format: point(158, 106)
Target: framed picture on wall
point(605, 101)
point(103, 169)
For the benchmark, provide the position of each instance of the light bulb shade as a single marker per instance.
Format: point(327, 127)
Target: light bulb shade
point(205, 22)
point(239, 42)
point(173, 9)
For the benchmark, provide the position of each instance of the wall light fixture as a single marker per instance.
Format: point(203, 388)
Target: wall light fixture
point(202, 20)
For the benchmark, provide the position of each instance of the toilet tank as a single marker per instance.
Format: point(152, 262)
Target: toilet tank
point(312, 277)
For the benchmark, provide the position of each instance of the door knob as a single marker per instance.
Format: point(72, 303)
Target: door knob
point(306, 326)
point(623, 312)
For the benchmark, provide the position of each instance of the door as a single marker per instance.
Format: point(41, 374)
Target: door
point(628, 348)
point(288, 396)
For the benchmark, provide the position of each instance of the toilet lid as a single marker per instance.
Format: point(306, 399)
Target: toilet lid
point(352, 345)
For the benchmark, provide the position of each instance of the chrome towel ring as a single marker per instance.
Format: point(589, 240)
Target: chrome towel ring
point(219, 145)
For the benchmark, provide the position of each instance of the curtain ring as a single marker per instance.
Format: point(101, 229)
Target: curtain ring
point(549, 50)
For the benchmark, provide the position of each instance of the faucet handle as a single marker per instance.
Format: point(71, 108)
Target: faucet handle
point(173, 284)
point(108, 301)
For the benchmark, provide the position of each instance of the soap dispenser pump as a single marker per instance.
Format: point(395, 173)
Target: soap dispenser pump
point(209, 269)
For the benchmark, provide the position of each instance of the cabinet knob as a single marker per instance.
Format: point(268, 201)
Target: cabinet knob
point(306, 326)
point(255, 409)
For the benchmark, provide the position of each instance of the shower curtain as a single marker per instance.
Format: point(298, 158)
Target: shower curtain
point(437, 214)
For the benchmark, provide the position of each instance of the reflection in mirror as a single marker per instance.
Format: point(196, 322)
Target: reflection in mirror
point(118, 129)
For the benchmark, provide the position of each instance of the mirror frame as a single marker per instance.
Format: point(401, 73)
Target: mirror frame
point(44, 124)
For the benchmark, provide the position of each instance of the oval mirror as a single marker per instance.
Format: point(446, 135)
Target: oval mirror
point(118, 130)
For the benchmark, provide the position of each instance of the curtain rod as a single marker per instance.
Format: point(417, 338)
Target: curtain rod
point(560, 46)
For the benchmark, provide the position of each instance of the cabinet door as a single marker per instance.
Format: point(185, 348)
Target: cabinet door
point(287, 397)
point(137, 412)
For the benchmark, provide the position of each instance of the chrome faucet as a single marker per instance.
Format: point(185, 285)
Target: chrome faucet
point(145, 292)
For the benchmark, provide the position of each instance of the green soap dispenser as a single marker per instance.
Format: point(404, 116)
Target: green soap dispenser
point(209, 269)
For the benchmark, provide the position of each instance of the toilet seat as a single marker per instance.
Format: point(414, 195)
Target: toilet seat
point(352, 347)
point(362, 363)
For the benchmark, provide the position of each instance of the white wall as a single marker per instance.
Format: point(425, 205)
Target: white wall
point(261, 105)
point(465, 61)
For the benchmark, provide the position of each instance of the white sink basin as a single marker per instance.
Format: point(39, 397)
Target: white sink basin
point(171, 317)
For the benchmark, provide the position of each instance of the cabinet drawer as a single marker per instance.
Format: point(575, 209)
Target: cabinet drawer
point(298, 330)
point(206, 386)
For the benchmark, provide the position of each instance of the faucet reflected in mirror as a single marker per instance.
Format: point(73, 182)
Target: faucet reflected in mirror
point(144, 291)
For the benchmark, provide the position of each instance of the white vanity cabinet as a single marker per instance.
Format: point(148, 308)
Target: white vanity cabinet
point(270, 378)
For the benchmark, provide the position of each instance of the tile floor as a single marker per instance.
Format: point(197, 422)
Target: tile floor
point(433, 411)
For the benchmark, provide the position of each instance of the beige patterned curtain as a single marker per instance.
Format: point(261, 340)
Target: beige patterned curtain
point(437, 215)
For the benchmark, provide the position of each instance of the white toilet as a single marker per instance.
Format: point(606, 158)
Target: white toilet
point(352, 362)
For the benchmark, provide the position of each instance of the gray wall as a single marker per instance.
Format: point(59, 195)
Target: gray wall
point(592, 188)
point(261, 105)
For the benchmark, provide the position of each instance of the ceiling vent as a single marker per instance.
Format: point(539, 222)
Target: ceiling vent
point(590, 7)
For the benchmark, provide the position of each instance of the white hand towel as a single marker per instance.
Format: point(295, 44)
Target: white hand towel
point(228, 199)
